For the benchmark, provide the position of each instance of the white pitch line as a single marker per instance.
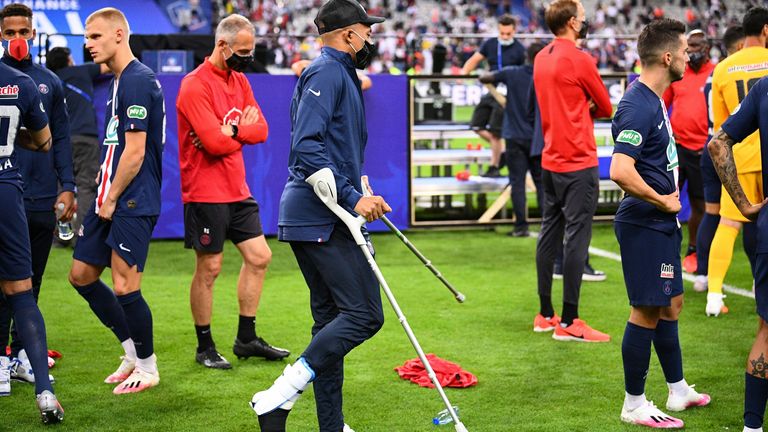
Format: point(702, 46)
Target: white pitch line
point(687, 276)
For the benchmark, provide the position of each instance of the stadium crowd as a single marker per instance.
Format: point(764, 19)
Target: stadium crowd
point(412, 29)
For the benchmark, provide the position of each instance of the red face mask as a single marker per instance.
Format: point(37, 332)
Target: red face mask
point(17, 48)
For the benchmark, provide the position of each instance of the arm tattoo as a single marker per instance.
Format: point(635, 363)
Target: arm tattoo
point(759, 367)
point(722, 157)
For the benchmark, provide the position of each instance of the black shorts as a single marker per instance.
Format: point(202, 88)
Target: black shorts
point(488, 115)
point(690, 172)
point(206, 226)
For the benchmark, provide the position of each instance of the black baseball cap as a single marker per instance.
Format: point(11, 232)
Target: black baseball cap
point(338, 14)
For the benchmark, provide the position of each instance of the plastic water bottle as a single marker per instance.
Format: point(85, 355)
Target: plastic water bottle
point(444, 417)
point(65, 232)
point(5, 376)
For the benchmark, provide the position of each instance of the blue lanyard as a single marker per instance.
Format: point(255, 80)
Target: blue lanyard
point(79, 91)
point(498, 53)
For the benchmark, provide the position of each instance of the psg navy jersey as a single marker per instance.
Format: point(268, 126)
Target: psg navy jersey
point(641, 130)
point(19, 106)
point(136, 104)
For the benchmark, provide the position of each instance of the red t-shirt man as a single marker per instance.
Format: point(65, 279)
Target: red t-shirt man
point(566, 80)
point(570, 94)
point(217, 114)
point(208, 98)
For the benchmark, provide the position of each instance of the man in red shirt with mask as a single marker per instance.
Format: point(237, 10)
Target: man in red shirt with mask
point(568, 103)
point(217, 115)
point(685, 98)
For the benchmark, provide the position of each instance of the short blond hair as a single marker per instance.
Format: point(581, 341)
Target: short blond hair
point(113, 16)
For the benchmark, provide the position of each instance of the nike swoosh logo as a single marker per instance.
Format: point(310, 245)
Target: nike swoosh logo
point(124, 248)
point(661, 124)
point(316, 93)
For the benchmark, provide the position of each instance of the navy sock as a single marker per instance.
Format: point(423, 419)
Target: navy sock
point(636, 357)
point(104, 304)
point(246, 329)
point(31, 327)
point(204, 338)
point(749, 240)
point(755, 397)
point(667, 344)
point(139, 319)
point(704, 236)
point(546, 308)
point(570, 313)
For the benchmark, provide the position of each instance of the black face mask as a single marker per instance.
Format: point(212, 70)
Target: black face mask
point(696, 59)
point(237, 62)
point(584, 29)
point(365, 55)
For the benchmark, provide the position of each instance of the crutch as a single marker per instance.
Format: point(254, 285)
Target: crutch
point(427, 263)
point(324, 186)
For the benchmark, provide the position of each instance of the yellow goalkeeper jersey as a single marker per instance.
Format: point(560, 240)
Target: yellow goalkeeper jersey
point(731, 80)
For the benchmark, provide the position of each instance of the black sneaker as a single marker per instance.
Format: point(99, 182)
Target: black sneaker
point(592, 275)
point(519, 232)
point(557, 273)
point(258, 348)
point(211, 358)
point(493, 171)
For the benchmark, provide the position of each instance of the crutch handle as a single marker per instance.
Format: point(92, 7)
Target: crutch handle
point(324, 185)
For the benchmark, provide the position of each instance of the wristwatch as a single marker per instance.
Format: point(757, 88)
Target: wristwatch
point(234, 130)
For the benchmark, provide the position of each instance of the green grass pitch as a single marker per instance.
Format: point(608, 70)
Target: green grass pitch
point(527, 381)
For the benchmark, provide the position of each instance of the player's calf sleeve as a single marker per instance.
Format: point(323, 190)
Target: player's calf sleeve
point(139, 319)
point(104, 304)
point(720, 255)
point(636, 357)
point(755, 397)
point(749, 240)
point(667, 345)
point(704, 236)
point(31, 328)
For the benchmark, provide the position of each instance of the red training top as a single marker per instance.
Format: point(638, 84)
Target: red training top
point(566, 79)
point(208, 98)
point(689, 109)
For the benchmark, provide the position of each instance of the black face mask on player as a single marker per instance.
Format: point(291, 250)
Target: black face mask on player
point(364, 56)
point(237, 62)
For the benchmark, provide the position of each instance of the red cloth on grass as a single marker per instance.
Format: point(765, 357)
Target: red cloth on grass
point(449, 374)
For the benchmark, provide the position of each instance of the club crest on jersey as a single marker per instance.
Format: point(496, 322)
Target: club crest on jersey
point(110, 137)
point(42, 88)
point(630, 137)
point(9, 92)
point(667, 271)
point(672, 155)
point(137, 112)
point(232, 117)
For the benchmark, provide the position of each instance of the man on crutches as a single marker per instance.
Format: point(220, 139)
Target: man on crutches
point(328, 131)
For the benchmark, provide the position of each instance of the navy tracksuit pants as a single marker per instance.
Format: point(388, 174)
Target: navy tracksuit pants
point(346, 308)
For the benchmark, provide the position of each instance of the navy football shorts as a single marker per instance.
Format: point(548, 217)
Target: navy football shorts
point(709, 179)
point(651, 263)
point(128, 236)
point(15, 252)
